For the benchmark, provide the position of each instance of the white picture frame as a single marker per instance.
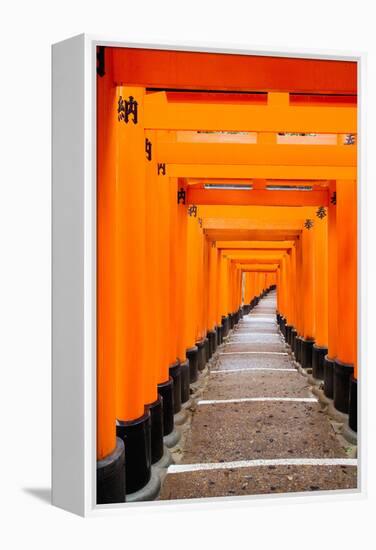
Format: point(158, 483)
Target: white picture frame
point(74, 274)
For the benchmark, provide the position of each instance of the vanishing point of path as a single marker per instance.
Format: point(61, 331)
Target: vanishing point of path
point(257, 428)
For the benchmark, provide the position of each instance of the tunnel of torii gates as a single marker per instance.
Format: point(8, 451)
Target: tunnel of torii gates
point(206, 202)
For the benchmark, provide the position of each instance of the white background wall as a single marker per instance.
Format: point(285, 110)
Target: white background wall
point(27, 29)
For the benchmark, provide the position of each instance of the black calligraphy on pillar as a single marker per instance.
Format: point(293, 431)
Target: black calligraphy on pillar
point(192, 210)
point(161, 167)
point(181, 195)
point(321, 212)
point(333, 198)
point(127, 108)
point(350, 139)
point(200, 222)
point(308, 224)
point(148, 148)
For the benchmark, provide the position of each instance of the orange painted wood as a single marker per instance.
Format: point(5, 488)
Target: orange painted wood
point(257, 197)
point(347, 271)
point(106, 276)
point(130, 263)
point(152, 338)
point(321, 281)
point(160, 68)
point(308, 283)
point(162, 114)
point(257, 154)
point(332, 276)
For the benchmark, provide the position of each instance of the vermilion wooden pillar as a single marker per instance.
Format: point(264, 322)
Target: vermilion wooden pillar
point(332, 293)
point(163, 313)
point(308, 293)
point(110, 449)
point(181, 296)
point(134, 425)
point(153, 345)
point(212, 296)
point(345, 370)
point(299, 299)
point(192, 306)
point(175, 369)
point(320, 347)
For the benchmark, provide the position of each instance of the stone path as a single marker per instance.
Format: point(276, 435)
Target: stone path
point(257, 427)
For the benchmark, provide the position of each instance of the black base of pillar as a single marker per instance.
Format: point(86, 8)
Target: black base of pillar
point(218, 330)
point(225, 326)
point(156, 429)
point(166, 391)
point(306, 353)
point(318, 356)
point(288, 334)
point(184, 377)
point(207, 349)
point(294, 334)
point(201, 359)
point(111, 476)
point(137, 440)
point(328, 377)
point(192, 356)
point(175, 373)
point(231, 320)
point(341, 387)
point(283, 327)
point(212, 336)
point(298, 349)
point(353, 406)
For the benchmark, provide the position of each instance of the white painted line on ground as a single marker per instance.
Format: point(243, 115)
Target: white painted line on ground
point(253, 352)
point(181, 468)
point(225, 371)
point(258, 399)
point(257, 336)
point(256, 333)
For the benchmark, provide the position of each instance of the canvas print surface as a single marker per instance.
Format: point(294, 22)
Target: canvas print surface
point(227, 275)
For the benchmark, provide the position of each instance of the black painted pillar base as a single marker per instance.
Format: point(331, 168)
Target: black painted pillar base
point(206, 349)
point(166, 391)
point(341, 387)
point(283, 327)
point(288, 334)
point(111, 476)
point(156, 429)
point(212, 336)
point(175, 373)
point(353, 406)
point(184, 377)
point(328, 377)
point(298, 349)
point(136, 436)
point(225, 326)
point(231, 320)
point(318, 356)
point(294, 334)
point(306, 353)
point(201, 359)
point(192, 356)
point(218, 329)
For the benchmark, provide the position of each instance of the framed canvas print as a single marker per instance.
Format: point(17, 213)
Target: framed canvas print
point(206, 302)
